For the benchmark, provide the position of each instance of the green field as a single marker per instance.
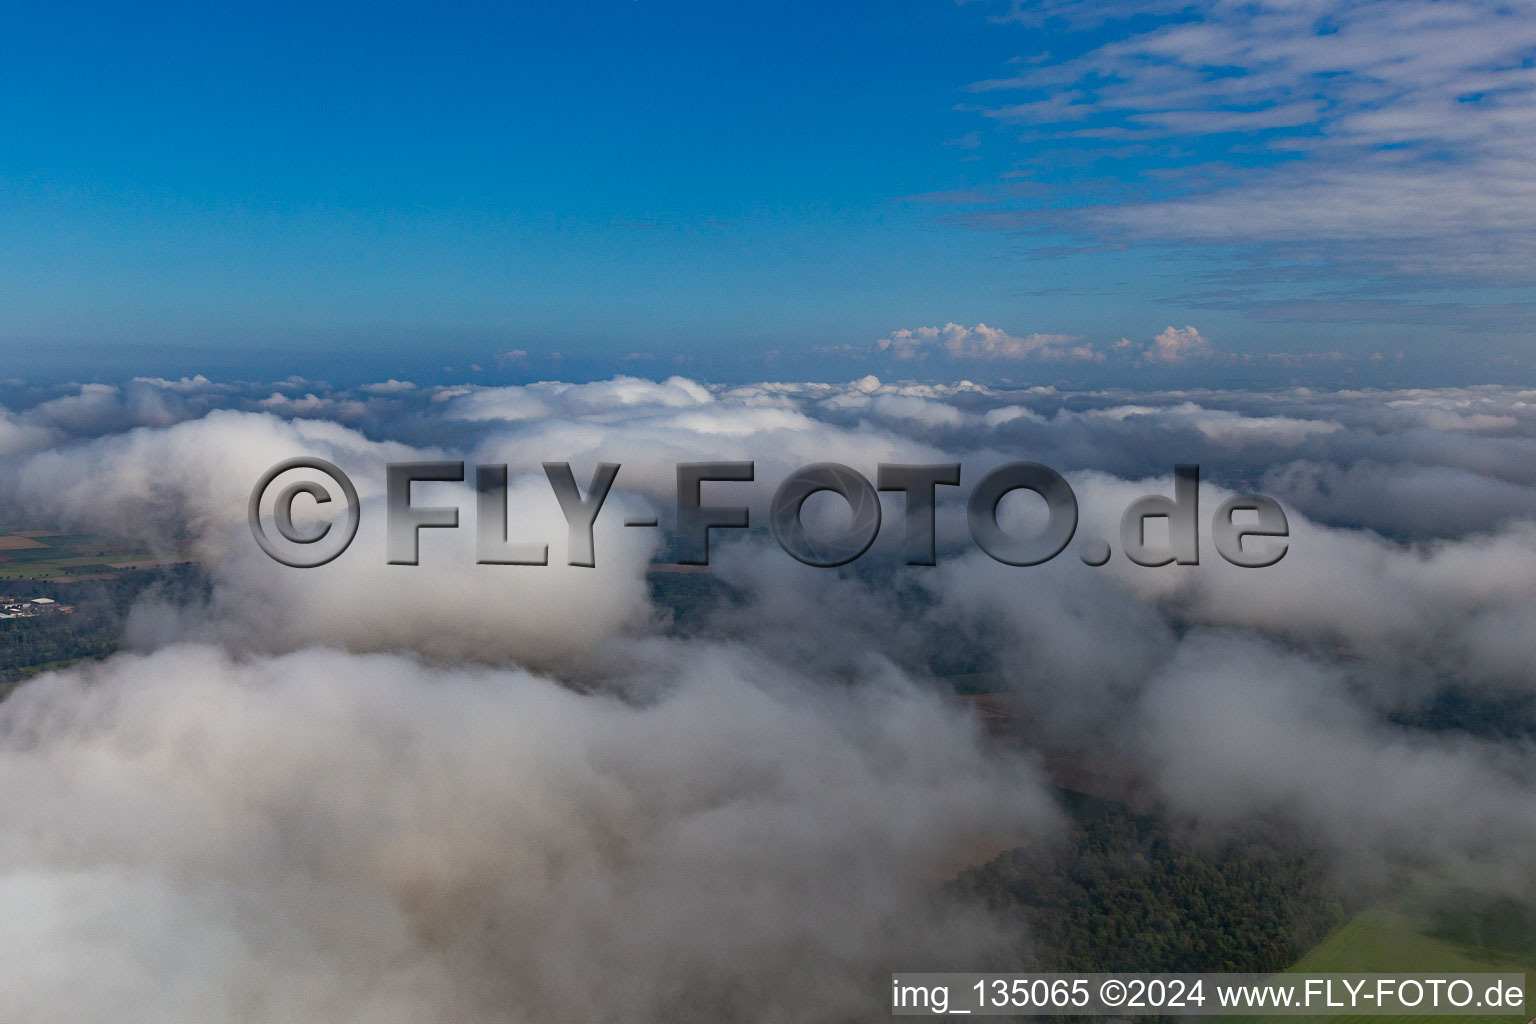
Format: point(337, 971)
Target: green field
point(1394, 938)
point(66, 555)
point(1419, 935)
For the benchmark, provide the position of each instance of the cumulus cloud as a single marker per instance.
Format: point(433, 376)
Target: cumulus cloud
point(388, 387)
point(537, 401)
point(1176, 344)
point(448, 605)
point(103, 407)
point(1237, 728)
point(982, 342)
point(442, 792)
point(197, 382)
point(1170, 346)
point(17, 436)
point(191, 838)
point(184, 484)
point(311, 404)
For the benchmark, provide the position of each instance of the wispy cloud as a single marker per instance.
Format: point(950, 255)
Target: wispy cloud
point(1385, 135)
point(983, 342)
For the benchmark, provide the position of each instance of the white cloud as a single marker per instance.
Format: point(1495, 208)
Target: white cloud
point(389, 387)
point(1392, 134)
point(196, 383)
point(771, 792)
point(310, 404)
point(534, 401)
point(982, 342)
point(323, 837)
point(1176, 344)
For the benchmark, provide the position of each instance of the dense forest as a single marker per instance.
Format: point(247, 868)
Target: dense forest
point(1495, 716)
point(1125, 892)
point(30, 645)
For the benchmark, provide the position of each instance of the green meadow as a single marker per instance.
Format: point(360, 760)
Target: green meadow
point(1422, 935)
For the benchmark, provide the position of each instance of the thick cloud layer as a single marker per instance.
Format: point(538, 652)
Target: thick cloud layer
point(454, 791)
point(331, 837)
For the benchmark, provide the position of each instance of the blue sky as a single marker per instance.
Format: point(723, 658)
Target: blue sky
point(741, 192)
